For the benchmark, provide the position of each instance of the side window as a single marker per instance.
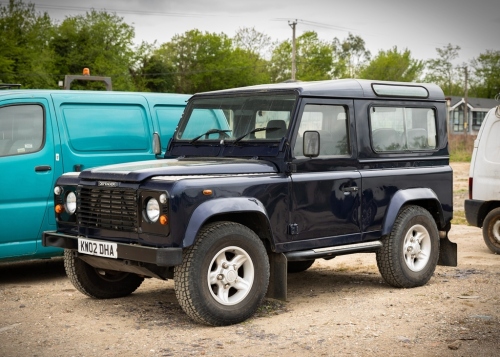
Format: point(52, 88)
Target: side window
point(106, 127)
point(331, 123)
point(399, 129)
point(21, 129)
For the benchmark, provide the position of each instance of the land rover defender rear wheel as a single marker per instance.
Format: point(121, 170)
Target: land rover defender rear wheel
point(224, 276)
point(98, 283)
point(410, 253)
point(491, 230)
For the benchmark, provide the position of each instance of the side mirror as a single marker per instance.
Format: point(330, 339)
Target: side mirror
point(311, 143)
point(156, 144)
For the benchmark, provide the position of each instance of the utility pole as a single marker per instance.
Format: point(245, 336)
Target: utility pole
point(466, 99)
point(293, 24)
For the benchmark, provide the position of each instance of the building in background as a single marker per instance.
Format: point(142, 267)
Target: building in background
point(477, 108)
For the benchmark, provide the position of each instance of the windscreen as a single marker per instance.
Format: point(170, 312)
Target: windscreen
point(238, 118)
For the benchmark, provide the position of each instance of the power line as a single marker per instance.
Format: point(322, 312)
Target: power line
point(134, 12)
point(318, 24)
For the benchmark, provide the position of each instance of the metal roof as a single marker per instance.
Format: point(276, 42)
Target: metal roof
point(339, 88)
point(479, 103)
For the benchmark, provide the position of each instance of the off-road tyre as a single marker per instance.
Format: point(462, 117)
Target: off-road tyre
point(395, 261)
point(224, 275)
point(491, 230)
point(299, 266)
point(98, 283)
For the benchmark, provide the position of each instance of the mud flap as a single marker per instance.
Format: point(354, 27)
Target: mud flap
point(278, 276)
point(447, 253)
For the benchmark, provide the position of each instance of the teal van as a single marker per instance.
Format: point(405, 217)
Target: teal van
point(45, 133)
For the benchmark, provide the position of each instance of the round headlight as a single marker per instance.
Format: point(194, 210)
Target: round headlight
point(70, 204)
point(152, 210)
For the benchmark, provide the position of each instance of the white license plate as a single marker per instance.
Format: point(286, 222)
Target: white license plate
point(95, 247)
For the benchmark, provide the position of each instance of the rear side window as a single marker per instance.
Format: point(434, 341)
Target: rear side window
point(107, 128)
point(402, 129)
point(21, 129)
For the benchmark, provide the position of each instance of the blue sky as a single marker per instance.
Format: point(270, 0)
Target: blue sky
point(420, 26)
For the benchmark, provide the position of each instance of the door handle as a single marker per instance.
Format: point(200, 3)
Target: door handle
point(350, 189)
point(42, 168)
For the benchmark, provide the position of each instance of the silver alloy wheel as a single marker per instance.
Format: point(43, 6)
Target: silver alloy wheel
point(496, 231)
point(230, 275)
point(417, 248)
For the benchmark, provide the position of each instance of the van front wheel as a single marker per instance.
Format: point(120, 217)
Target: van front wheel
point(410, 253)
point(491, 230)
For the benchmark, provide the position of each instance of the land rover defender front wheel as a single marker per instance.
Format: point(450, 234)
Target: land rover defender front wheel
point(491, 230)
point(98, 283)
point(224, 276)
point(410, 253)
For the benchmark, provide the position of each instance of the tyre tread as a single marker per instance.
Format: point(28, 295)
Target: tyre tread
point(387, 256)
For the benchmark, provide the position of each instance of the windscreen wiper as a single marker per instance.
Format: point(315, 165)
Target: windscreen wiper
point(206, 134)
point(273, 128)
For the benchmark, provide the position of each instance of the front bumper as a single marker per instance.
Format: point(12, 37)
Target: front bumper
point(162, 257)
point(472, 208)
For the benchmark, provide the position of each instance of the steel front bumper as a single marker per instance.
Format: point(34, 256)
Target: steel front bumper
point(133, 252)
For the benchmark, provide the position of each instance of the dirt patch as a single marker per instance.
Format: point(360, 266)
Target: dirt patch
point(337, 307)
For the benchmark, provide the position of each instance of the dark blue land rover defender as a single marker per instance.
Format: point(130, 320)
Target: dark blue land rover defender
point(259, 182)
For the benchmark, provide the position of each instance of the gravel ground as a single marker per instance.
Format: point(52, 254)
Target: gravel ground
point(338, 307)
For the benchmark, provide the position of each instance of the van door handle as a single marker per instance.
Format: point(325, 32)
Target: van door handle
point(43, 168)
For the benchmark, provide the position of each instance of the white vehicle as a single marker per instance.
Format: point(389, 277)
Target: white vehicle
point(482, 209)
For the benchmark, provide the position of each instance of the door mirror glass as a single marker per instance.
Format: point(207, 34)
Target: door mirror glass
point(311, 143)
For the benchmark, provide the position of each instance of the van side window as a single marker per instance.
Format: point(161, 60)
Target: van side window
point(396, 129)
point(21, 129)
point(114, 127)
point(331, 123)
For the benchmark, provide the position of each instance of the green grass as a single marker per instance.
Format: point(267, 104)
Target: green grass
point(461, 147)
point(460, 156)
point(459, 218)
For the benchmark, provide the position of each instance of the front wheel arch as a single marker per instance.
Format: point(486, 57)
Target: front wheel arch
point(227, 209)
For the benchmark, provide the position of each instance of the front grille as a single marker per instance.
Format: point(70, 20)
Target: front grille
point(114, 209)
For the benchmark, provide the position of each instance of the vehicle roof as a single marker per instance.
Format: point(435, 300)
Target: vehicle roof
point(343, 88)
point(87, 93)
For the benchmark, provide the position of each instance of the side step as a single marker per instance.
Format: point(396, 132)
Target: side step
point(331, 252)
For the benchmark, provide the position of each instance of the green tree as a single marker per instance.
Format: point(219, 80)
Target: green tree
point(208, 61)
point(313, 59)
point(151, 72)
point(393, 65)
point(25, 56)
point(253, 41)
point(442, 72)
point(486, 80)
point(352, 56)
point(100, 41)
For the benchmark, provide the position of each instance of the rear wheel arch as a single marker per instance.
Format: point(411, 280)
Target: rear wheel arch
point(485, 209)
point(423, 197)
